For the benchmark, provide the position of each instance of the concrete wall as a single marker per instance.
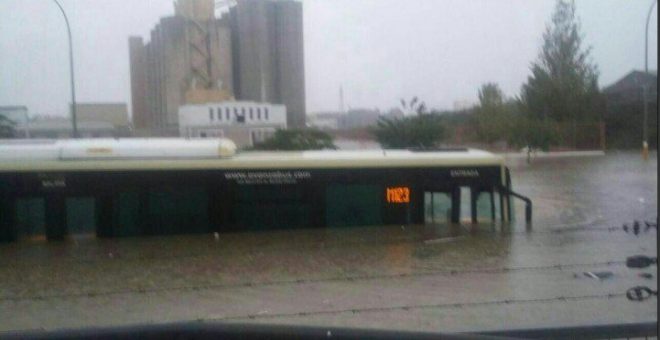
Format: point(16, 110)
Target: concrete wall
point(290, 60)
point(268, 56)
point(138, 66)
point(251, 31)
point(222, 54)
point(201, 10)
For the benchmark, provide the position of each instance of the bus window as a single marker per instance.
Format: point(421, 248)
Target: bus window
point(466, 205)
point(437, 207)
point(498, 208)
point(485, 206)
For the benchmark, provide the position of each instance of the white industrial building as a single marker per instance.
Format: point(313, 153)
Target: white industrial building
point(19, 116)
point(245, 123)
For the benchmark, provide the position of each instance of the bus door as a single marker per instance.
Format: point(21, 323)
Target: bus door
point(488, 204)
point(464, 204)
point(438, 206)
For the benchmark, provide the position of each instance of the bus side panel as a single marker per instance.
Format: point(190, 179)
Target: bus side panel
point(132, 203)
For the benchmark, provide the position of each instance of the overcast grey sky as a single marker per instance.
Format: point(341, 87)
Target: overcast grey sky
point(379, 50)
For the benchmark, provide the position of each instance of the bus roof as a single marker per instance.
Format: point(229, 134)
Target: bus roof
point(271, 160)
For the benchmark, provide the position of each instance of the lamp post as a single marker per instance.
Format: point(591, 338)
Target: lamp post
point(73, 82)
point(645, 145)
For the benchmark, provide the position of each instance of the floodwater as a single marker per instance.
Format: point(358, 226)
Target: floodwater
point(400, 277)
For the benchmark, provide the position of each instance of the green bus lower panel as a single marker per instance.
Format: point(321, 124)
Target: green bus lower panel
point(126, 214)
point(30, 217)
point(179, 212)
point(272, 216)
point(80, 216)
point(353, 205)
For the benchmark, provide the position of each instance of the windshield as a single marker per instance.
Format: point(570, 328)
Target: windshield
point(436, 166)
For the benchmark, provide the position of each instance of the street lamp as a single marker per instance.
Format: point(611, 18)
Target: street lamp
point(645, 145)
point(73, 82)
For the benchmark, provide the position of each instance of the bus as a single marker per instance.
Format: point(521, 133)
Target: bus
point(119, 188)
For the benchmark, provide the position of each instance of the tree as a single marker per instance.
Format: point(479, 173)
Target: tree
point(495, 115)
point(490, 95)
point(7, 129)
point(424, 129)
point(413, 107)
point(298, 140)
point(564, 82)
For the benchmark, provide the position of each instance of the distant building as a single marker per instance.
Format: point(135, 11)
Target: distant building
point(359, 118)
point(354, 119)
point(324, 120)
point(187, 60)
point(625, 110)
point(62, 128)
point(115, 114)
point(268, 54)
point(254, 52)
point(94, 120)
point(19, 116)
point(630, 88)
point(245, 123)
point(139, 89)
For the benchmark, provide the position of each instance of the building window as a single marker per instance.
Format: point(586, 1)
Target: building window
point(219, 114)
point(227, 114)
point(259, 113)
point(266, 113)
point(210, 113)
point(202, 134)
point(243, 111)
point(251, 117)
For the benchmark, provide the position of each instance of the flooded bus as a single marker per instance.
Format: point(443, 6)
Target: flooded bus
point(118, 188)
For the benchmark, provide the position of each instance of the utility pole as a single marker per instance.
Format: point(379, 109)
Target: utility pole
point(645, 144)
point(73, 82)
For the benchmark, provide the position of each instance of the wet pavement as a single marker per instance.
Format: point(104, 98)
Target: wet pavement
point(399, 277)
